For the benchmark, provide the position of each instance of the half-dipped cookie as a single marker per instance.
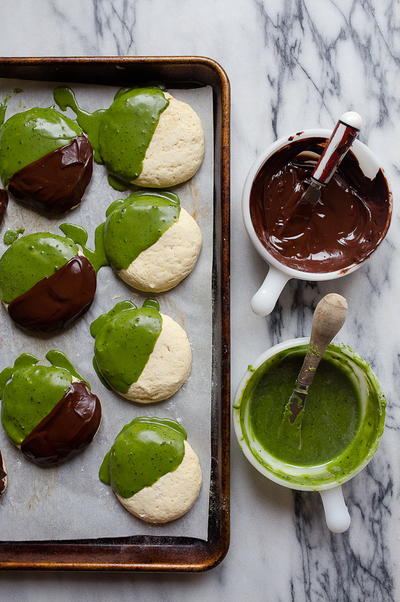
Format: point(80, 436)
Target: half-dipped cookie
point(152, 469)
point(146, 137)
point(3, 476)
point(46, 161)
point(45, 283)
point(48, 412)
point(141, 354)
point(150, 241)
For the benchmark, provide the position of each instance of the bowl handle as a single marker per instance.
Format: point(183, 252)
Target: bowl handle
point(267, 295)
point(336, 514)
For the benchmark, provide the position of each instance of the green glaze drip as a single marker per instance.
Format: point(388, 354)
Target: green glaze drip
point(29, 396)
point(30, 259)
point(28, 136)
point(124, 339)
point(121, 134)
point(137, 222)
point(89, 122)
point(79, 235)
point(58, 359)
point(11, 236)
point(3, 109)
point(335, 430)
point(117, 184)
point(144, 451)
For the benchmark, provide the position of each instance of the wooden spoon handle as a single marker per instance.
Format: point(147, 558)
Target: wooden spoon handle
point(329, 317)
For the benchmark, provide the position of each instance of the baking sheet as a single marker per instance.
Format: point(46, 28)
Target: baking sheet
point(69, 502)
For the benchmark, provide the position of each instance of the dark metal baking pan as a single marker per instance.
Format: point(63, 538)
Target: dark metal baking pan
point(149, 553)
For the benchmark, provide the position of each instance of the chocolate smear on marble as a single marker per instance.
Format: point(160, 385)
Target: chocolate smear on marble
point(3, 204)
point(3, 476)
point(70, 427)
point(55, 183)
point(343, 228)
point(54, 302)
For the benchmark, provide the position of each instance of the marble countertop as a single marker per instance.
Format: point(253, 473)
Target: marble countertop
point(292, 65)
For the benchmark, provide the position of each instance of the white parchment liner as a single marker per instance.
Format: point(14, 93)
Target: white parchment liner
point(69, 502)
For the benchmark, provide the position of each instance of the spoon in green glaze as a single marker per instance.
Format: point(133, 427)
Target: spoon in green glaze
point(329, 317)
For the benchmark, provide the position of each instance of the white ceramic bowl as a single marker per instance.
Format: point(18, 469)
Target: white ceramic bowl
point(336, 513)
point(266, 297)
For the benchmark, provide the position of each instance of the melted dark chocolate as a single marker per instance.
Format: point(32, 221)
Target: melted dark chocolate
point(56, 182)
point(54, 302)
point(3, 476)
point(69, 427)
point(3, 204)
point(343, 228)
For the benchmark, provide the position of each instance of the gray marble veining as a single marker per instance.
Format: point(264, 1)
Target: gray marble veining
point(293, 64)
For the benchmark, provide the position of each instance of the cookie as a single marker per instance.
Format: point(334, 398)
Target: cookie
point(48, 412)
point(46, 161)
point(45, 281)
point(141, 354)
point(146, 137)
point(176, 149)
point(152, 469)
point(150, 241)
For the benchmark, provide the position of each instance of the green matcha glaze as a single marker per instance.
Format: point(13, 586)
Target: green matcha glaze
point(144, 451)
point(137, 222)
point(330, 419)
point(30, 392)
point(338, 432)
point(31, 258)
point(28, 136)
point(59, 360)
point(79, 235)
point(121, 134)
point(3, 109)
point(124, 339)
point(11, 236)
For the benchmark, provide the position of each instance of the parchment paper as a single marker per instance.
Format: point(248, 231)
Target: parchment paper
point(69, 502)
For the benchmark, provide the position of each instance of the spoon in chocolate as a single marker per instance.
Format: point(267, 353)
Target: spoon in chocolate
point(329, 317)
point(345, 132)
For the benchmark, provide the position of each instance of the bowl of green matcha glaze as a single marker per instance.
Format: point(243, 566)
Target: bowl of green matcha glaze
point(340, 431)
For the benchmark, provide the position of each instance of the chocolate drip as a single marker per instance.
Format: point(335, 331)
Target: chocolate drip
point(343, 228)
point(54, 302)
point(3, 476)
point(70, 426)
point(56, 182)
point(3, 203)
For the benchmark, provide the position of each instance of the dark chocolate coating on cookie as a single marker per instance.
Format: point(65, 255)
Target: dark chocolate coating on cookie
point(54, 302)
point(55, 183)
point(69, 427)
point(3, 476)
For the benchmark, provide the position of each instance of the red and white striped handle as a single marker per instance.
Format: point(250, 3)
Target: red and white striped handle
point(346, 130)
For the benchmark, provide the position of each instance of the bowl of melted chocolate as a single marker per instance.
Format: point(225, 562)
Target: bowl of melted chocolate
point(313, 241)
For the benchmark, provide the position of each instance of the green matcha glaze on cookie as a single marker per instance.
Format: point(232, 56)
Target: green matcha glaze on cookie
point(124, 339)
point(31, 258)
point(30, 391)
point(144, 451)
point(137, 222)
point(121, 134)
point(28, 136)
